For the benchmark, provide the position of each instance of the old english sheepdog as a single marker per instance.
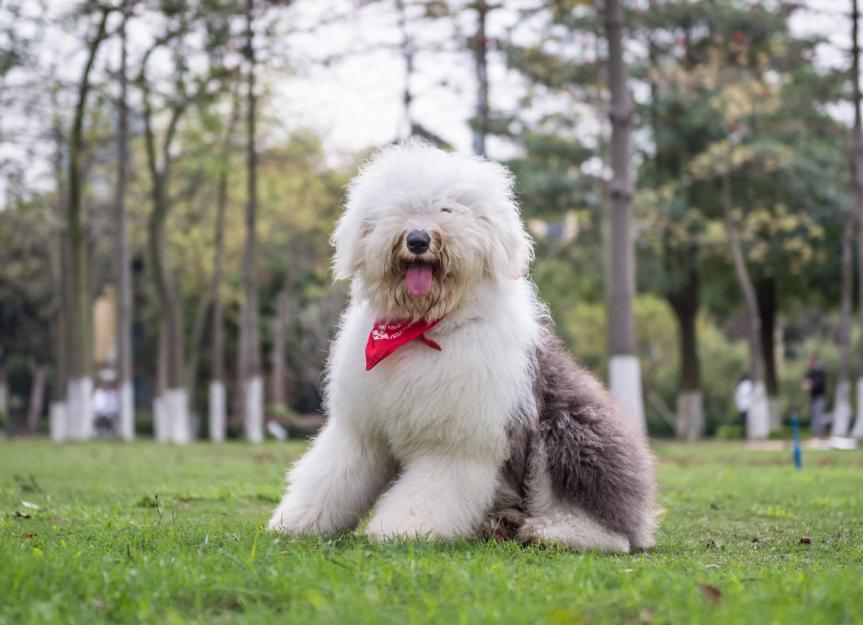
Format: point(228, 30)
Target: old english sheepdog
point(454, 410)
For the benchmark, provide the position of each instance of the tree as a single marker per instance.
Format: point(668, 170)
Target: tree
point(480, 51)
point(624, 367)
point(217, 395)
point(678, 131)
point(250, 343)
point(59, 422)
point(407, 51)
point(126, 427)
point(186, 89)
point(28, 301)
point(757, 421)
point(80, 385)
point(173, 400)
point(857, 189)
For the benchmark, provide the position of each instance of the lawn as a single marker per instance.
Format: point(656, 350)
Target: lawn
point(106, 532)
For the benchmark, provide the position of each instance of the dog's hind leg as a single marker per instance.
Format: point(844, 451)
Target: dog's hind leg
point(571, 528)
point(555, 522)
point(334, 484)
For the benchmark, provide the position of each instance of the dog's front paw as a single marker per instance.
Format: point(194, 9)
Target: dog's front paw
point(382, 529)
point(287, 520)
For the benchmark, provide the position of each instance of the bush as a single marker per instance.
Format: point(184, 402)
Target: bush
point(728, 431)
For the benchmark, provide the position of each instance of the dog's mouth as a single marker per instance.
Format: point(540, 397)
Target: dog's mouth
point(420, 276)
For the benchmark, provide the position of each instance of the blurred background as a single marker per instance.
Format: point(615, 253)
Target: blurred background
point(170, 172)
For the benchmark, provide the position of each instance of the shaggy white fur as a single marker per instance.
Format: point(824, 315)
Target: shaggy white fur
point(424, 434)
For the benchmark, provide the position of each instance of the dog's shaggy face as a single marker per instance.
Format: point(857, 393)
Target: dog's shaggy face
point(422, 227)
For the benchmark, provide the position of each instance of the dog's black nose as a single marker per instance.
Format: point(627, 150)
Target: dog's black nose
point(418, 241)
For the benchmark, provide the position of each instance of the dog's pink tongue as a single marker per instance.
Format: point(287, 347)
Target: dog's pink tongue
point(419, 279)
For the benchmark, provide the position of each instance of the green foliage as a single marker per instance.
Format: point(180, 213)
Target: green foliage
point(720, 85)
point(728, 432)
point(157, 534)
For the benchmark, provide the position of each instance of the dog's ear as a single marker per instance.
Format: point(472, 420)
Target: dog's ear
point(511, 248)
point(354, 226)
point(349, 241)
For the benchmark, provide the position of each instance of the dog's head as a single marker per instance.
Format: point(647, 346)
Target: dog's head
point(422, 227)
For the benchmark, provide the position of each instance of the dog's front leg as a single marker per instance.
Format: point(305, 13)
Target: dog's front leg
point(436, 497)
point(334, 484)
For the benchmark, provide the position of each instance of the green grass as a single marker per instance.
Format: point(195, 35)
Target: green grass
point(154, 534)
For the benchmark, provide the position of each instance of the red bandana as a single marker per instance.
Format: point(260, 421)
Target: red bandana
point(387, 337)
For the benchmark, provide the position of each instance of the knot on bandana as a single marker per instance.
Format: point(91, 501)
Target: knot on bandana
point(387, 336)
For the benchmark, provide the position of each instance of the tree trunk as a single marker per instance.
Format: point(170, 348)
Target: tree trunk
point(37, 399)
point(407, 51)
point(80, 383)
point(193, 350)
point(59, 425)
point(161, 427)
point(857, 188)
point(4, 394)
point(173, 405)
point(174, 398)
point(217, 395)
point(690, 404)
point(766, 294)
point(624, 367)
point(250, 358)
point(480, 129)
point(278, 396)
point(842, 409)
point(757, 422)
point(60, 271)
point(126, 425)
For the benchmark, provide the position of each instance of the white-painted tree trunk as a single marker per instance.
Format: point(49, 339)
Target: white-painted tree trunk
point(218, 418)
point(624, 374)
point(842, 410)
point(177, 414)
point(758, 416)
point(774, 413)
point(857, 432)
point(58, 421)
point(79, 409)
point(126, 426)
point(690, 416)
point(4, 397)
point(160, 422)
point(254, 409)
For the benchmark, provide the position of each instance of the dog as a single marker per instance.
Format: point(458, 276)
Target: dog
point(454, 410)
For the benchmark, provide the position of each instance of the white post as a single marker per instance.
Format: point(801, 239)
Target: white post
point(79, 409)
point(254, 409)
point(59, 423)
point(160, 429)
point(624, 373)
point(217, 411)
point(857, 432)
point(758, 415)
point(177, 412)
point(842, 409)
point(126, 427)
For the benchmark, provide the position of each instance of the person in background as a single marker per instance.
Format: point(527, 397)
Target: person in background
point(743, 397)
point(815, 383)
